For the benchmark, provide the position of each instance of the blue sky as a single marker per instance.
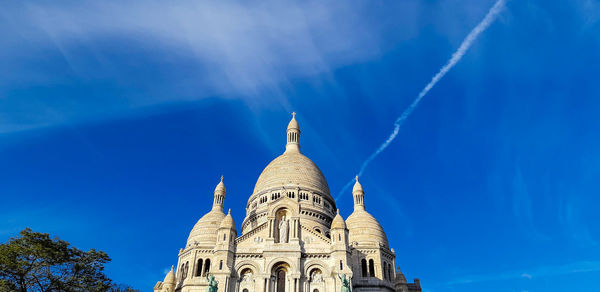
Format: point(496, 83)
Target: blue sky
point(117, 119)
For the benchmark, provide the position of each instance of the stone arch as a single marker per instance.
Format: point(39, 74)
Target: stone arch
point(246, 274)
point(285, 203)
point(280, 271)
point(363, 268)
point(372, 269)
point(273, 264)
point(247, 264)
point(308, 267)
point(318, 229)
point(318, 276)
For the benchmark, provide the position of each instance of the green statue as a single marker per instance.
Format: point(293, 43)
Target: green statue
point(346, 286)
point(212, 283)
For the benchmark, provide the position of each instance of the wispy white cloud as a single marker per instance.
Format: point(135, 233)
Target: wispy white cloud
point(525, 275)
point(523, 206)
point(236, 49)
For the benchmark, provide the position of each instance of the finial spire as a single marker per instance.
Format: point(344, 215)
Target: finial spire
point(359, 195)
point(222, 178)
point(229, 211)
point(293, 135)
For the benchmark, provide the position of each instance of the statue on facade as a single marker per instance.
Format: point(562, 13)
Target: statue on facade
point(247, 277)
point(317, 278)
point(283, 230)
point(212, 284)
point(346, 285)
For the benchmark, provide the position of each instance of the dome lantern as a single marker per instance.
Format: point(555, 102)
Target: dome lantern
point(359, 196)
point(293, 135)
point(219, 195)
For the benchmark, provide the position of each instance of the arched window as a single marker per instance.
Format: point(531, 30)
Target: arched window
point(185, 270)
point(390, 272)
point(339, 237)
point(245, 290)
point(385, 271)
point(224, 237)
point(363, 264)
point(221, 265)
point(206, 267)
point(199, 268)
point(182, 272)
point(341, 265)
point(371, 268)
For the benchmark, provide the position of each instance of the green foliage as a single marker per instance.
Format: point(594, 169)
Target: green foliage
point(35, 262)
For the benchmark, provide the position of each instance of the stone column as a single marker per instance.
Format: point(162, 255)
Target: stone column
point(272, 227)
point(293, 230)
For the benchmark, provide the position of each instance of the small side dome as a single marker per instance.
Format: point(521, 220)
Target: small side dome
point(364, 228)
point(170, 277)
point(338, 221)
point(205, 230)
point(228, 222)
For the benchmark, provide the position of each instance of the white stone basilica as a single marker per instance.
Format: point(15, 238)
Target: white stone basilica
point(293, 238)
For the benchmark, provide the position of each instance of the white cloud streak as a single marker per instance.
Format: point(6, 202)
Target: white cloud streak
point(464, 46)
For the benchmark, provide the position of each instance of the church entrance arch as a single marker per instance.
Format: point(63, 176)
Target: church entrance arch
point(281, 281)
point(279, 275)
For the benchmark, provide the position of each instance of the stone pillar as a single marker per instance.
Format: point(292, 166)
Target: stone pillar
point(236, 286)
point(272, 227)
point(294, 229)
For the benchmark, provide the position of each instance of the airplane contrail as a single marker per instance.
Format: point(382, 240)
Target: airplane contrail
point(464, 46)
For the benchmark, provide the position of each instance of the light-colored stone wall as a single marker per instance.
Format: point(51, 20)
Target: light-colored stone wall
point(313, 255)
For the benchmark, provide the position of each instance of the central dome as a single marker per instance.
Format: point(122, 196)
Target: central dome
point(292, 169)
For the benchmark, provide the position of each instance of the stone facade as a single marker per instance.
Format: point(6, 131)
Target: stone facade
point(293, 238)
